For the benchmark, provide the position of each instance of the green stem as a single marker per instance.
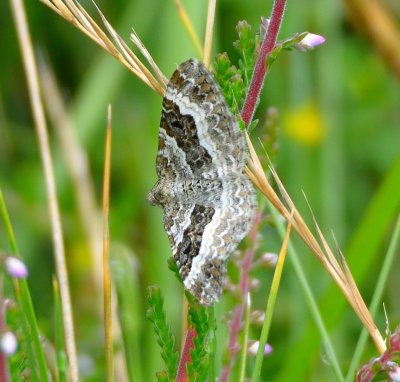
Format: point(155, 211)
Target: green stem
point(243, 352)
point(312, 304)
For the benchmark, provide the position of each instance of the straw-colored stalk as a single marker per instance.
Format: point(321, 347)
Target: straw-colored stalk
point(338, 270)
point(74, 13)
point(106, 254)
point(48, 170)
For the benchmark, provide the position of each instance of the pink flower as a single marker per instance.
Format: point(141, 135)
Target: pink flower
point(386, 364)
point(394, 374)
point(15, 267)
point(8, 343)
point(253, 346)
point(310, 41)
point(268, 259)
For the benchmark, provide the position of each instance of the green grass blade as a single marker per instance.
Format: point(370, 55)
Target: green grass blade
point(376, 299)
point(7, 224)
point(29, 324)
point(27, 344)
point(312, 304)
point(270, 309)
point(243, 351)
point(31, 332)
point(130, 311)
point(366, 240)
point(33, 335)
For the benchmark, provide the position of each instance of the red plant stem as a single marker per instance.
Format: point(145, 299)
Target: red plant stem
point(233, 347)
point(185, 356)
point(259, 73)
point(249, 106)
point(244, 283)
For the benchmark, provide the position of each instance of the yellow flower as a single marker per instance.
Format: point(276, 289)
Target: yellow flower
point(305, 125)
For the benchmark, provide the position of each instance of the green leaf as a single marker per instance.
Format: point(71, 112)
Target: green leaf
point(162, 376)
point(246, 47)
point(199, 367)
point(231, 82)
point(253, 125)
point(156, 315)
point(174, 268)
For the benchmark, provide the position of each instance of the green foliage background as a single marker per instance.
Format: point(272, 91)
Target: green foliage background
point(351, 175)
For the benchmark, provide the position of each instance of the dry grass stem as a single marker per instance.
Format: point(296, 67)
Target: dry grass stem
point(378, 23)
point(106, 253)
point(364, 312)
point(209, 32)
point(136, 40)
point(189, 27)
point(338, 270)
point(78, 167)
point(74, 13)
point(44, 147)
point(143, 73)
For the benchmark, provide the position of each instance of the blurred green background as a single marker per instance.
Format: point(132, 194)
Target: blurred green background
point(339, 142)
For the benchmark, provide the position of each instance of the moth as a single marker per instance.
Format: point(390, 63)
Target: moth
point(207, 200)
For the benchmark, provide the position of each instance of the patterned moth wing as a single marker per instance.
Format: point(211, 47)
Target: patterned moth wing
point(208, 202)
